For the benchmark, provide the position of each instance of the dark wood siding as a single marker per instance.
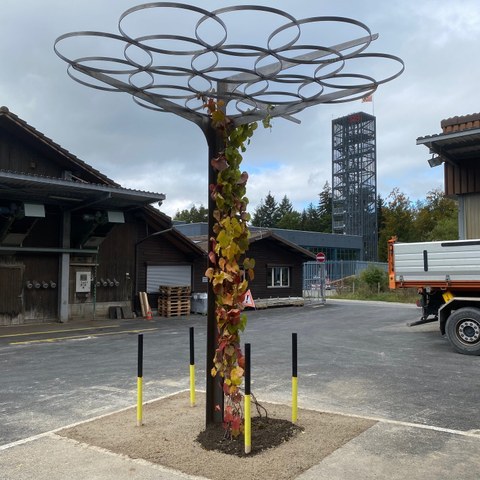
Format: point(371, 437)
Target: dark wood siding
point(199, 268)
point(270, 253)
point(41, 304)
point(11, 293)
point(20, 157)
point(117, 258)
point(462, 179)
point(157, 250)
point(45, 232)
point(266, 253)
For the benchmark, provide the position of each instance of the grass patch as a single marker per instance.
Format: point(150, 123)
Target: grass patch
point(399, 296)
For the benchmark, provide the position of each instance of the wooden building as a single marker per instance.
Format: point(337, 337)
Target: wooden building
point(73, 243)
point(458, 149)
point(278, 266)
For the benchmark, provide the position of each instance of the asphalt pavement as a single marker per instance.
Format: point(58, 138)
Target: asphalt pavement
point(355, 358)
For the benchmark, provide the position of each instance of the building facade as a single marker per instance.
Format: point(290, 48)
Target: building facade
point(73, 243)
point(335, 247)
point(457, 147)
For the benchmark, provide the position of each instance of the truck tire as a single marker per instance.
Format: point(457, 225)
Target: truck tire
point(463, 330)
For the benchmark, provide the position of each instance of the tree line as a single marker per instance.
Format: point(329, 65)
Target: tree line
point(430, 219)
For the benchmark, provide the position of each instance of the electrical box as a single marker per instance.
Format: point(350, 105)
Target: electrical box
point(84, 282)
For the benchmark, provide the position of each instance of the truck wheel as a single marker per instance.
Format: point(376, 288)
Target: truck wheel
point(463, 330)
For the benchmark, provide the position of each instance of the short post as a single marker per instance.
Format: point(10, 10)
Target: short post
point(248, 419)
point(140, 380)
point(294, 379)
point(192, 369)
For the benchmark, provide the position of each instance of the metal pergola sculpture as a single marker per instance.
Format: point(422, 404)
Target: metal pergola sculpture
point(251, 80)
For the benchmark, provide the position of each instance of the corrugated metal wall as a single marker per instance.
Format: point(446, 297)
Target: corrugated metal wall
point(463, 179)
point(472, 216)
point(171, 275)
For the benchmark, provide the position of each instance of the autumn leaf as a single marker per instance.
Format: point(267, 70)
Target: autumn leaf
point(219, 163)
point(212, 257)
point(243, 179)
point(229, 243)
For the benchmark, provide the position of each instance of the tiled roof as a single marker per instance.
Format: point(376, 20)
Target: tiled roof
point(460, 123)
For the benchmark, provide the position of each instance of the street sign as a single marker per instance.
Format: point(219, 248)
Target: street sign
point(321, 257)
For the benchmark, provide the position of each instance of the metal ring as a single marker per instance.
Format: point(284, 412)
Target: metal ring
point(252, 85)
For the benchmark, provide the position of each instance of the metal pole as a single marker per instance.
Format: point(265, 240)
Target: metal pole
point(140, 381)
point(192, 368)
point(294, 379)
point(214, 385)
point(247, 401)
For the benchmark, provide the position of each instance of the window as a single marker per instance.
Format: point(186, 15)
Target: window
point(278, 277)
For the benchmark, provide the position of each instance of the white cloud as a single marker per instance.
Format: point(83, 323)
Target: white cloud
point(163, 153)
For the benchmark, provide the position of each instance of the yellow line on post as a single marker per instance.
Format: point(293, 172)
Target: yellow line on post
point(72, 337)
point(139, 401)
point(192, 385)
point(294, 399)
point(248, 425)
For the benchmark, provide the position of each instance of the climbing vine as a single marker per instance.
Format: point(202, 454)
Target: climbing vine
point(230, 270)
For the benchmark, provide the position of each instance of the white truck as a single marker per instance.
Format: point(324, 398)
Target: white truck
point(447, 277)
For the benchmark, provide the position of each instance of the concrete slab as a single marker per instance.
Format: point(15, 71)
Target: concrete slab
point(398, 452)
point(53, 457)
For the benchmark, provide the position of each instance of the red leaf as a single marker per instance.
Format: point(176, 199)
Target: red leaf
point(219, 163)
point(212, 257)
point(243, 178)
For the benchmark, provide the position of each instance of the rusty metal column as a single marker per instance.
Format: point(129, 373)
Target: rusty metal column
point(214, 387)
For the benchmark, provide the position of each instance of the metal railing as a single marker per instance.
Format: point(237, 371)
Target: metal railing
point(335, 271)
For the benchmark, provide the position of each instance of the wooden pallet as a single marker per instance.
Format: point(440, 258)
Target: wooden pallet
point(174, 311)
point(173, 308)
point(174, 291)
point(174, 304)
point(261, 303)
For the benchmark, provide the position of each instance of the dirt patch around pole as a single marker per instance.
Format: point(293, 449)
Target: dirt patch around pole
point(174, 435)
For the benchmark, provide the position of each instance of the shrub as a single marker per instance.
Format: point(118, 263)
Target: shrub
point(374, 278)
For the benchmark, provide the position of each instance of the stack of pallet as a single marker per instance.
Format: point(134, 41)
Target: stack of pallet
point(173, 301)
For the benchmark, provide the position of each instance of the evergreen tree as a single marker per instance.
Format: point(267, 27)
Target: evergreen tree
point(285, 207)
point(311, 219)
point(291, 221)
point(193, 215)
point(325, 209)
point(266, 214)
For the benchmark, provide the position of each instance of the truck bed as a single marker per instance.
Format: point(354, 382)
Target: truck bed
point(447, 264)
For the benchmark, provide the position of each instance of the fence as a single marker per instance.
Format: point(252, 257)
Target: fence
point(314, 278)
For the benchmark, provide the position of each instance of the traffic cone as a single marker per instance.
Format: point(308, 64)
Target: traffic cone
point(149, 315)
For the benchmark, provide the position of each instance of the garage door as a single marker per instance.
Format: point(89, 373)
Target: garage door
point(172, 275)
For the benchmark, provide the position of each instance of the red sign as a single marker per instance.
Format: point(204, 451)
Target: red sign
point(321, 257)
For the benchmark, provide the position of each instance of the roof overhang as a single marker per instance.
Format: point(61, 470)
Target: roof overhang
point(202, 242)
point(454, 148)
point(292, 247)
point(71, 195)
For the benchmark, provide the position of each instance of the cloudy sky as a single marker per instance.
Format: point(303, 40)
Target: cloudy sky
point(160, 152)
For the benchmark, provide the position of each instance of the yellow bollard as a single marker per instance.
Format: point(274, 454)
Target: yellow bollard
point(294, 399)
point(192, 385)
point(139, 401)
point(140, 381)
point(248, 425)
